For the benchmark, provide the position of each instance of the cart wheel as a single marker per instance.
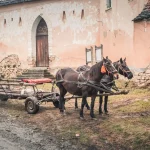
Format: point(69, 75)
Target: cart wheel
point(56, 102)
point(31, 105)
point(3, 98)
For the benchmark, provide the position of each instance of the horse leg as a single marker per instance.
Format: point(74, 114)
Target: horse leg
point(105, 105)
point(87, 105)
point(92, 106)
point(100, 104)
point(82, 107)
point(76, 103)
point(62, 100)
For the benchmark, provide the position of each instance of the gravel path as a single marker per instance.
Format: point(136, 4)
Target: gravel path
point(15, 135)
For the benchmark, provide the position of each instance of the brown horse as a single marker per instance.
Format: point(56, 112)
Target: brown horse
point(122, 69)
point(69, 80)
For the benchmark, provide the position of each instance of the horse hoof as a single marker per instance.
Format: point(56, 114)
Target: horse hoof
point(94, 118)
point(88, 108)
point(106, 113)
point(100, 113)
point(82, 118)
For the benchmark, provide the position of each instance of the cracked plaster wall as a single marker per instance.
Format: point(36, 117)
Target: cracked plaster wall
point(67, 38)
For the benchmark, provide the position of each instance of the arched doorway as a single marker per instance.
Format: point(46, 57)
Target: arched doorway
point(42, 55)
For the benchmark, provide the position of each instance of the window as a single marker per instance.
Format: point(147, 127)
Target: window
point(64, 16)
point(89, 55)
point(98, 53)
point(20, 21)
point(73, 12)
point(108, 3)
point(4, 22)
point(82, 14)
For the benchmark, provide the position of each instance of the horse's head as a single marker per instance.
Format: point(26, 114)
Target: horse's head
point(109, 68)
point(123, 69)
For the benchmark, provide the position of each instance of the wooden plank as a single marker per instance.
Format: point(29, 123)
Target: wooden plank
point(104, 94)
point(18, 84)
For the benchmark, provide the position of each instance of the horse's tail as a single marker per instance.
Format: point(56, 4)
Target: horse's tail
point(58, 75)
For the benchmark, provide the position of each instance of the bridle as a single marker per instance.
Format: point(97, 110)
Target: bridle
point(109, 72)
point(125, 72)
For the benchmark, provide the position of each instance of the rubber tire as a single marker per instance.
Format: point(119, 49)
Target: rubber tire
point(33, 101)
point(4, 99)
point(56, 102)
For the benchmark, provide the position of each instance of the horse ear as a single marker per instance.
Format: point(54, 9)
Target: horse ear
point(121, 60)
point(106, 57)
point(125, 59)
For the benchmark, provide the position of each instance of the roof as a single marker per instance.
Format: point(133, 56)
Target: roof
point(10, 2)
point(145, 14)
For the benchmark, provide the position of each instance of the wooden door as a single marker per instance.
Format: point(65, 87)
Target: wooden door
point(42, 55)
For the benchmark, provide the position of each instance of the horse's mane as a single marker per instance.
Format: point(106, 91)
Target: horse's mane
point(95, 69)
point(83, 68)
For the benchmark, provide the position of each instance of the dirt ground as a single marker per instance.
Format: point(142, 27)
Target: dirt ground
point(126, 127)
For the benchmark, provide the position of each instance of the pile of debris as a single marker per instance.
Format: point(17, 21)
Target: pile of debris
point(143, 78)
point(10, 66)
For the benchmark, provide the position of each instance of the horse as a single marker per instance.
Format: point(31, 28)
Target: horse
point(122, 69)
point(69, 80)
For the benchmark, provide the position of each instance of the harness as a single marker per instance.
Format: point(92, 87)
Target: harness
point(80, 77)
point(122, 69)
point(124, 72)
point(82, 81)
point(109, 72)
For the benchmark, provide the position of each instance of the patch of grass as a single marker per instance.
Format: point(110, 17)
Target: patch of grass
point(77, 133)
point(117, 128)
point(128, 132)
point(140, 91)
point(138, 106)
point(144, 120)
point(142, 142)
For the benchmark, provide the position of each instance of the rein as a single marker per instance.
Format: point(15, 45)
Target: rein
point(109, 72)
point(121, 68)
point(124, 71)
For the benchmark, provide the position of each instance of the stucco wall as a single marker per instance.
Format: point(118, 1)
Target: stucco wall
point(141, 43)
point(67, 38)
point(117, 30)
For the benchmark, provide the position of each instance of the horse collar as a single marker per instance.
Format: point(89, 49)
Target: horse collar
point(81, 76)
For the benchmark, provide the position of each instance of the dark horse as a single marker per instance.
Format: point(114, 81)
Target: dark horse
point(122, 69)
point(69, 80)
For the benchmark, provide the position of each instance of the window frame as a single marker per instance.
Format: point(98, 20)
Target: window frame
point(91, 55)
point(108, 4)
point(101, 50)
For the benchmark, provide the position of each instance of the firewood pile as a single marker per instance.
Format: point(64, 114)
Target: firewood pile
point(143, 78)
point(10, 67)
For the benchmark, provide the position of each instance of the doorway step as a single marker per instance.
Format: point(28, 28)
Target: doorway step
point(36, 73)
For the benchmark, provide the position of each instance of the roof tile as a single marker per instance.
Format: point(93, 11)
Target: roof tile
point(145, 14)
